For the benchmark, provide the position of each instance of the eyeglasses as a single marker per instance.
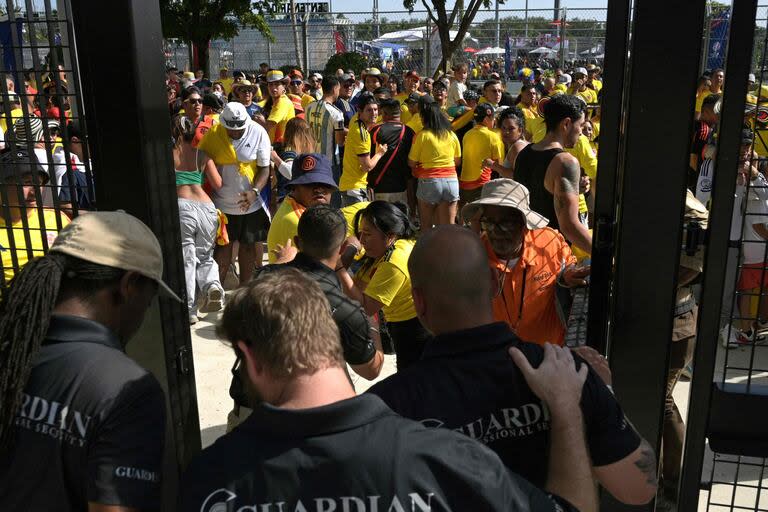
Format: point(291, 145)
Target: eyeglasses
point(195, 101)
point(505, 226)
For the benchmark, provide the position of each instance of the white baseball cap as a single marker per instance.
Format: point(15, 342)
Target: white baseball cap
point(234, 116)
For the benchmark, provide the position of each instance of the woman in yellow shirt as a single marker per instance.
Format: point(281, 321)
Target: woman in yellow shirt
point(383, 282)
point(434, 156)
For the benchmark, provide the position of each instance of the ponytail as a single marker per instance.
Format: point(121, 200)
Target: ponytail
point(26, 307)
point(25, 312)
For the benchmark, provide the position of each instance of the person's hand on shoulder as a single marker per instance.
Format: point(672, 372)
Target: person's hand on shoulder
point(556, 381)
point(597, 361)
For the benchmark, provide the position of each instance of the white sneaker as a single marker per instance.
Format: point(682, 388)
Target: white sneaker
point(732, 337)
point(192, 319)
point(214, 300)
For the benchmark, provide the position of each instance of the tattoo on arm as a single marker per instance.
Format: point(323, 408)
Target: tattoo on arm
point(569, 178)
point(647, 462)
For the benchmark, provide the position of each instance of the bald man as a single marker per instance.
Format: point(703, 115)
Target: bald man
point(466, 382)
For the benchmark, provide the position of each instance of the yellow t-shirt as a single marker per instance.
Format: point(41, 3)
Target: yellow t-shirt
point(537, 128)
point(35, 237)
point(358, 143)
point(285, 225)
point(598, 85)
point(528, 112)
point(415, 124)
point(349, 213)
point(226, 83)
point(16, 113)
point(435, 153)
point(588, 95)
point(587, 158)
point(479, 143)
point(388, 281)
point(405, 114)
point(282, 112)
point(306, 99)
point(700, 99)
point(582, 150)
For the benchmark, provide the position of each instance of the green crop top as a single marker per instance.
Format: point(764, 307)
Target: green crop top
point(189, 178)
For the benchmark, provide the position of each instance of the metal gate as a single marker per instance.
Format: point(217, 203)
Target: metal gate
point(644, 154)
point(83, 102)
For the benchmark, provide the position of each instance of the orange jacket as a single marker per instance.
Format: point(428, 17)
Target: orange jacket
point(534, 278)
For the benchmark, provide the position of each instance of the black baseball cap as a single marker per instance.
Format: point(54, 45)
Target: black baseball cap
point(483, 110)
point(16, 162)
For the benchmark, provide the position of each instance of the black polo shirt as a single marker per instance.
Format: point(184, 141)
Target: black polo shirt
point(467, 382)
point(396, 170)
point(356, 341)
point(354, 455)
point(91, 426)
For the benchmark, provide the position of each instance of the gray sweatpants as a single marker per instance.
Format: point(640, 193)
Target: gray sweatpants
point(199, 223)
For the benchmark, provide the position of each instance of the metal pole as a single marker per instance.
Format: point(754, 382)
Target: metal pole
point(740, 41)
point(428, 48)
point(562, 38)
point(376, 27)
point(269, 51)
point(526, 21)
point(305, 40)
point(557, 10)
point(707, 30)
point(498, 29)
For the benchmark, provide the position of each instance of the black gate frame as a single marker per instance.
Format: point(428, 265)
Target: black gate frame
point(129, 137)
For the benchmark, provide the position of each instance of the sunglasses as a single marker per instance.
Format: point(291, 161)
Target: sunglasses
point(195, 101)
point(296, 82)
point(236, 123)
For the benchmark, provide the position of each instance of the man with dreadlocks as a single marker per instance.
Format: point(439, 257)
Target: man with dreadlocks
point(82, 425)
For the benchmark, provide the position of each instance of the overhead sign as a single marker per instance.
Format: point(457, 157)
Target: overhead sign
point(303, 8)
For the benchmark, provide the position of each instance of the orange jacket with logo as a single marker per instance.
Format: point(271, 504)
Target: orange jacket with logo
point(534, 279)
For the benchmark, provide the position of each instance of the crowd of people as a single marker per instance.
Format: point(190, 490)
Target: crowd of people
point(400, 214)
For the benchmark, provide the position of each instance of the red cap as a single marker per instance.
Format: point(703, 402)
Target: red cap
point(295, 73)
point(412, 74)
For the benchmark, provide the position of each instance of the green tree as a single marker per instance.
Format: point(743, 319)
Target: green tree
point(197, 22)
point(437, 11)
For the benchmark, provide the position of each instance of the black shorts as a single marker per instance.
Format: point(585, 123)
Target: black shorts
point(249, 228)
point(470, 195)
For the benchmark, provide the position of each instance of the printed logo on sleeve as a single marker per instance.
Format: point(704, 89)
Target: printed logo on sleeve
point(130, 473)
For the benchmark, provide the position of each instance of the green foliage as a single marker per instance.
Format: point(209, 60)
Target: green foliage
point(203, 20)
point(348, 60)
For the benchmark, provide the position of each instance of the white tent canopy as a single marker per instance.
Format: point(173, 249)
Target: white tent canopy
point(542, 49)
point(412, 35)
point(490, 51)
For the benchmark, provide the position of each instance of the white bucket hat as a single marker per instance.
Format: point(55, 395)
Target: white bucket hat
point(508, 193)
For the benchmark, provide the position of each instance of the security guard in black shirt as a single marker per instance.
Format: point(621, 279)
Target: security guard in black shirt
point(83, 425)
point(313, 445)
point(321, 242)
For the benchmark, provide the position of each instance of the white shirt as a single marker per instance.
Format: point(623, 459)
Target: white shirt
point(456, 92)
point(254, 145)
point(755, 212)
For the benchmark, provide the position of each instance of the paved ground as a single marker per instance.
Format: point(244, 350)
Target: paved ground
point(213, 360)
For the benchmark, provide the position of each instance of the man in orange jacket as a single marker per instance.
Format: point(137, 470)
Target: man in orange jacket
point(530, 261)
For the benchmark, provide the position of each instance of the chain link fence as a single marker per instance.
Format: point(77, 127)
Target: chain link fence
point(398, 41)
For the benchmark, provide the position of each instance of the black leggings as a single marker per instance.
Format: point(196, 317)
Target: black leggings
point(409, 338)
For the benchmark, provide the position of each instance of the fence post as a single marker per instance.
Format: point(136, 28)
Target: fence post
point(269, 51)
point(305, 42)
point(428, 47)
point(562, 38)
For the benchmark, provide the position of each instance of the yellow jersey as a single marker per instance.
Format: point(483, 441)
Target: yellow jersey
point(387, 281)
point(358, 143)
point(19, 250)
point(479, 143)
point(282, 112)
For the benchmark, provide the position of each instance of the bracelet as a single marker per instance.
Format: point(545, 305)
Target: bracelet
point(256, 189)
point(340, 267)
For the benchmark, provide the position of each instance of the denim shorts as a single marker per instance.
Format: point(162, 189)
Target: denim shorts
point(438, 190)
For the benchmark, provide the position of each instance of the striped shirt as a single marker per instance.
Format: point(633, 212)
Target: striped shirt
point(323, 118)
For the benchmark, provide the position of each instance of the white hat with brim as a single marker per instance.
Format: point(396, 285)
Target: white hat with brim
point(234, 116)
point(508, 193)
point(117, 240)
